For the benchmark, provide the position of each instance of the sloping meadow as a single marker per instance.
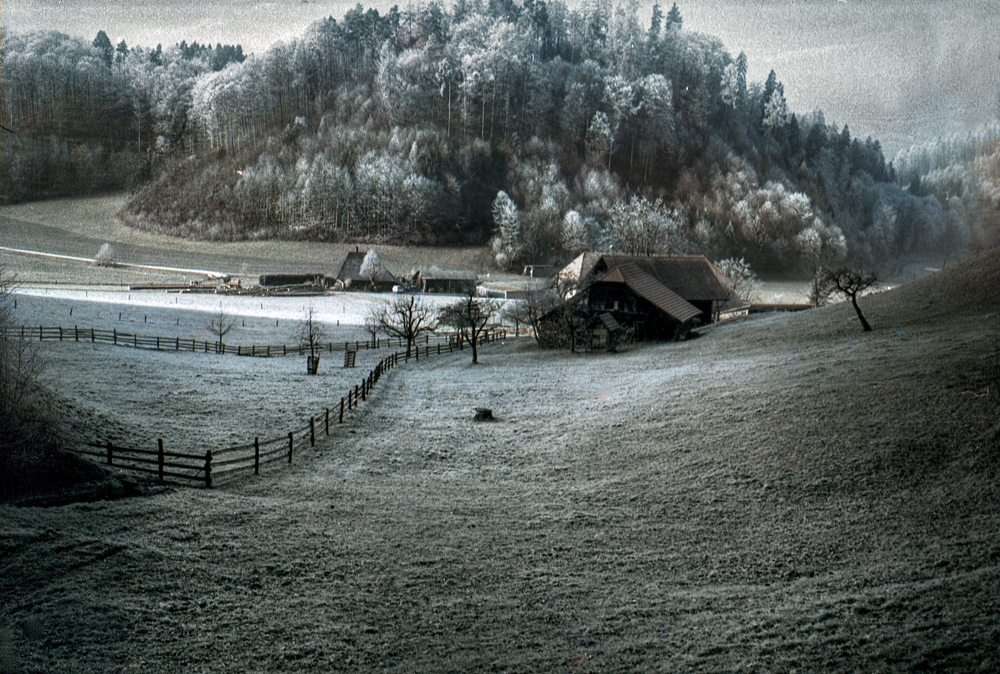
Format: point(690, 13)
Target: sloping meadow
point(784, 493)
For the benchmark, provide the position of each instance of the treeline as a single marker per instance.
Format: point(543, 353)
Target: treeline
point(962, 170)
point(92, 117)
point(537, 128)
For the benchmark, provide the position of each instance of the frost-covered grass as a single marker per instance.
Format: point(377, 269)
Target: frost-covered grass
point(79, 227)
point(783, 493)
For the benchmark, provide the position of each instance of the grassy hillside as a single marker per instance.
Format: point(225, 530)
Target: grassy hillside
point(81, 226)
point(782, 494)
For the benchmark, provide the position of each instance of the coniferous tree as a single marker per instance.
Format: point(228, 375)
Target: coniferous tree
point(674, 20)
point(102, 43)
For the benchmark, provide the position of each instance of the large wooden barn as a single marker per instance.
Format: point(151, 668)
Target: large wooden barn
point(649, 297)
point(365, 272)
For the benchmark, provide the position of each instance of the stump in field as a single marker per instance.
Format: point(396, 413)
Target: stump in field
point(484, 414)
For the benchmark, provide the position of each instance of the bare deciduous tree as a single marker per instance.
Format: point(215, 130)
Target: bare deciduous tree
point(471, 317)
point(850, 283)
point(530, 310)
point(220, 326)
point(371, 325)
point(405, 317)
point(310, 336)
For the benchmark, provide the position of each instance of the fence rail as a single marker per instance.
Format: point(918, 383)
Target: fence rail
point(212, 466)
point(159, 343)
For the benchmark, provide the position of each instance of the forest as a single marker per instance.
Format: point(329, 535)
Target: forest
point(533, 128)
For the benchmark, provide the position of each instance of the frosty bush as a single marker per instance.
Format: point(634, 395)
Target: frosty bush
point(22, 426)
point(105, 256)
point(745, 281)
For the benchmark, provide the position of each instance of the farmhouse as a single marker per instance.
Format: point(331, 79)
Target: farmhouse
point(637, 297)
point(366, 272)
point(446, 281)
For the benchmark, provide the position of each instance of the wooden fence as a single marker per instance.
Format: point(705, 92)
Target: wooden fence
point(212, 466)
point(117, 338)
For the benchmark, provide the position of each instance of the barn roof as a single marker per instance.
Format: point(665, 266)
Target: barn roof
point(647, 287)
point(692, 277)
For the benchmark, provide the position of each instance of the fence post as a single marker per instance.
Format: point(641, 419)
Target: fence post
point(92, 338)
point(76, 333)
point(110, 451)
point(208, 468)
point(364, 389)
point(291, 446)
point(159, 457)
point(328, 421)
point(355, 395)
point(114, 335)
point(256, 456)
point(341, 411)
point(312, 432)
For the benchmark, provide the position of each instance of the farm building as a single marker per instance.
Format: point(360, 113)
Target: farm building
point(316, 280)
point(646, 298)
point(366, 272)
point(446, 281)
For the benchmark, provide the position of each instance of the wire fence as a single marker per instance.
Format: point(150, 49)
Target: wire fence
point(210, 467)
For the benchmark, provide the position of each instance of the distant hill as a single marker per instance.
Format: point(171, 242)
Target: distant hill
point(539, 129)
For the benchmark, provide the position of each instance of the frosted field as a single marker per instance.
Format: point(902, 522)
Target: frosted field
point(782, 494)
point(196, 401)
point(155, 309)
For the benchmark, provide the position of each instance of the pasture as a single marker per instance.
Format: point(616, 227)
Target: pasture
point(782, 494)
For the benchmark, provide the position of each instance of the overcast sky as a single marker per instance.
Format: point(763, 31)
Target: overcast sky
point(898, 70)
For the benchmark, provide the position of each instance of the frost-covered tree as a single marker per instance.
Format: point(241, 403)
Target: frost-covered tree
point(775, 116)
point(730, 86)
point(643, 227)
point(508, 242)
point(745, 282)
point(372, 265)
point(405, 317)
point(471, 317)
point(600, 140)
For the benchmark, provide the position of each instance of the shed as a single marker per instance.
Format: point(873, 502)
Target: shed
point(446, 281)
point(316, 279)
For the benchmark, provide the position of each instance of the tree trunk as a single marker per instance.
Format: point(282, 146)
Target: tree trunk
point(857, 309)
